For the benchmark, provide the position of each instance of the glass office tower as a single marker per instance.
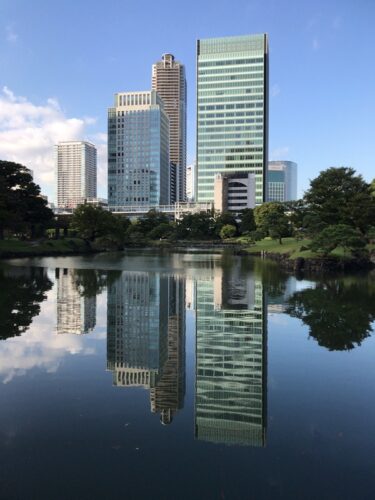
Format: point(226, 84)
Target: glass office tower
point(282, 181)
point(232, 111)
point(138, 151)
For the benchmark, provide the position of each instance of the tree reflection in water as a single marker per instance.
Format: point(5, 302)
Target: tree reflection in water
point(21, 292)
point(338, 312)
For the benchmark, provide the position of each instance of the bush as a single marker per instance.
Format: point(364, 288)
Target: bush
point(228, 231)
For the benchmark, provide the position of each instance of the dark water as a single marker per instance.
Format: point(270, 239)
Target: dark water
point(184, 376)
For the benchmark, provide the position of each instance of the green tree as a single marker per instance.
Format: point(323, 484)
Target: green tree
point(22, 209)
point(201, 225)
point(228, 231)
point(247, 222)
point(338, 196)
point(340, 235)
point(272, 220)
point(224, 218)
point(91, 222)
point(151, 220)
point(163, 230)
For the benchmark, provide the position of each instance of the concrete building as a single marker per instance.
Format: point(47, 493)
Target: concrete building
point(234, 192)
point(76, 173)
point(232, 111)
point(282, 181)
point(231, 361)
point(190, 182)
point(138, 151)
point(168, 79)
point(76, 314)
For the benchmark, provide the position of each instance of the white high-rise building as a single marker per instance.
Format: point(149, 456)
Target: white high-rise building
point(76, 173)
point(190, 182)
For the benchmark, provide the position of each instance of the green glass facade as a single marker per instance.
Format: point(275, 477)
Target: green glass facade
point(230, 402)
point(232, 111)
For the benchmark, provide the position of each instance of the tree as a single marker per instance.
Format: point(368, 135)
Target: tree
point(224, 218)
point(338, 196)
point(201, 225)
point(163, 230)
point(91, 223)
point(152, 219)
point(21, 292)
point(247, 223)
point(340, 235)
point(228, 231)
point(338, 314)
point(271, 220)
point(22, 209)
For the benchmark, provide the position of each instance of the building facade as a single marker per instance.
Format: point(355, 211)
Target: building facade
point(138, 151)
point(76, 165)
point(232, 111)
point(190, 182)
point(76, 314)
point(146, 337)
point(168, 79)
point(282, 181)
point(231, 346)
point(234, 192)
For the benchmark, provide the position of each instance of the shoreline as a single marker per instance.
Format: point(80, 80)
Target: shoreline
point(285, 261)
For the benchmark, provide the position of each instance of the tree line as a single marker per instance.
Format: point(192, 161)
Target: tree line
point(338, 210)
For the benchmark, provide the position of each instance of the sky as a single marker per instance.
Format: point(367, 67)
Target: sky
point(62, 62)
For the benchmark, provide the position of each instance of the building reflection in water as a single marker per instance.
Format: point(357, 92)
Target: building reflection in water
point(230, 404)
point(76, 313)
point(146, 337)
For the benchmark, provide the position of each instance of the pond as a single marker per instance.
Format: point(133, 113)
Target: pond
point(184, 376)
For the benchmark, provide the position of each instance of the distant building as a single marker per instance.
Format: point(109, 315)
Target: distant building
point(232, 111)
point(234, 192)
point(282, 181)
point(168, 79)
point(76, 166)
point(75, 313)
point(138, 151)
point(190, 182)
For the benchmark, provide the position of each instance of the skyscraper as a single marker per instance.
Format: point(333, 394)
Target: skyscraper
point(76, 173)
point(232, 111)
point(138, 151)
point(282, 181)
point(168, 79)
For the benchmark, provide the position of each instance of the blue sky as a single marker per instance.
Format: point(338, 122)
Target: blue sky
point(61, 63)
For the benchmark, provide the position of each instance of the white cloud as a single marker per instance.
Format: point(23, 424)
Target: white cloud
point(275, 90)
point(280, 153)
point(28, 133)
point(10, 34)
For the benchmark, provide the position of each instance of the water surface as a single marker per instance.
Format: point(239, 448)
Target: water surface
point(176, 376)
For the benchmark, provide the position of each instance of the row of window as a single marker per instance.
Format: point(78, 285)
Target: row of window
point(259, 69)
point(229, 62)
point(211, 123)
point(230, 106)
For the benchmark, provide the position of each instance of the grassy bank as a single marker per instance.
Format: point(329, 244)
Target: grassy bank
point(17, 248)
point(295, 249)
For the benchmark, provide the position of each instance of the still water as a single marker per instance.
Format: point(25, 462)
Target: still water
point(184, 376)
